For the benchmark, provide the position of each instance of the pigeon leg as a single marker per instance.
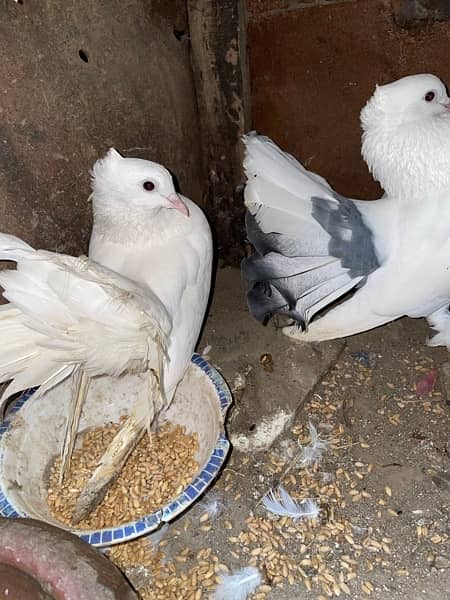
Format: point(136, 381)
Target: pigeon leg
point(440, 322)
point(115, 457)
point(80, 386)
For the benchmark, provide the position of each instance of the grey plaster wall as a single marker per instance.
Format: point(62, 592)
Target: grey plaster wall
point(77, 77)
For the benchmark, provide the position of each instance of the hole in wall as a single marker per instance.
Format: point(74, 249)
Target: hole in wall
point(179, 34)
point(83, 55)
point(19, 2)
point(252, 427)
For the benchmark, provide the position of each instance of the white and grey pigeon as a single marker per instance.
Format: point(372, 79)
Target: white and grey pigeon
point(136, 304)
point(313, 246)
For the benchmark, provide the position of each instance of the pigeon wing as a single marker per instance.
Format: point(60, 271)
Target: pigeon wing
point(311, 245)
point(67, 311)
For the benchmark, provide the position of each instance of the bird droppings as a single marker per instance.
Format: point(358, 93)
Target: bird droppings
point(266, 361)
point(156, 471)
point(264, 433)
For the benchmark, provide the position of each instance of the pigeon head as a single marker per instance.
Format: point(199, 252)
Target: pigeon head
point(134, 184)
point(411, 99)
point(406, 125)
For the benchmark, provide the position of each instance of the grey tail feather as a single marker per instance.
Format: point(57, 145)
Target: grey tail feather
point(299, 276)
point(295, 286)
point(265, 301)
point(299, 296)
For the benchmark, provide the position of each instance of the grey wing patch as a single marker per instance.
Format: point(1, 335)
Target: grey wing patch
point(265, 300)
point(351, 239)
point(300, 276)
point(274, 265)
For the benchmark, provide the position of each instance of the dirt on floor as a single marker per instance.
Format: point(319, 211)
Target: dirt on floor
point(382, 482)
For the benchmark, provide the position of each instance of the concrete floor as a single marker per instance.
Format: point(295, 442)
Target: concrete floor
point(382, 484)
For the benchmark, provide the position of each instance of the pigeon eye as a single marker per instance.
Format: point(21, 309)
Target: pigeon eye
point(429, 96)
point(148, 186)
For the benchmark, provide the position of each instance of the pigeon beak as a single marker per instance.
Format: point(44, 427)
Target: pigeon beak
point(176, 202)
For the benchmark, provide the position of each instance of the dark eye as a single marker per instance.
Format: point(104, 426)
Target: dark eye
point(148, 186)
point(429, 96)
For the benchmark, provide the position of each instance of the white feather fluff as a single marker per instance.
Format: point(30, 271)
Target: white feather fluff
point(239, 585)
point(406, 140)
point(158, 536)
point(212, 505)
point(312, 453)
point(280, 502)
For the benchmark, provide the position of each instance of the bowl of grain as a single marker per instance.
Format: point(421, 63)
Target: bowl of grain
point(163, 476)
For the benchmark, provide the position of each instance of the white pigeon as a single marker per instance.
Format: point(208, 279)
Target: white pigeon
point(313, 246)
point(161, 240)
point(137, 303)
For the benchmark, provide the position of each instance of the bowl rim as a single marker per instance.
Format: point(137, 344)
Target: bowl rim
point(148, 523)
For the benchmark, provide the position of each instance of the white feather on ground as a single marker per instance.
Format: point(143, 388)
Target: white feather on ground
point(239, 585)
point(327, 477)
point(206, 350)
point(280, 502)
point(312, 453)
point(212, 505)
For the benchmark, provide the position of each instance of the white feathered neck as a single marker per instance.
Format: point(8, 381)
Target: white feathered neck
point(411, 160)
point(138, 225)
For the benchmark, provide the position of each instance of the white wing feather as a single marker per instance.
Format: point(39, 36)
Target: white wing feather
point(66, 311)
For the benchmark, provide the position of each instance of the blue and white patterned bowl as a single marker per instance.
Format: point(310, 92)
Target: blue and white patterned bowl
point(31, 437)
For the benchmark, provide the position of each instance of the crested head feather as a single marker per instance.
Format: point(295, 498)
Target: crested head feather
point(406, 136)
point(115, 178)
point(112, 154)
point(130, 197)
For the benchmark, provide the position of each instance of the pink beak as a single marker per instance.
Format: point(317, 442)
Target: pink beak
point(176, 202)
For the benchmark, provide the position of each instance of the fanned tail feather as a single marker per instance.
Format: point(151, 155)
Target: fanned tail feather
point(302, 235)
point(262, 155)
point(297, 286)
